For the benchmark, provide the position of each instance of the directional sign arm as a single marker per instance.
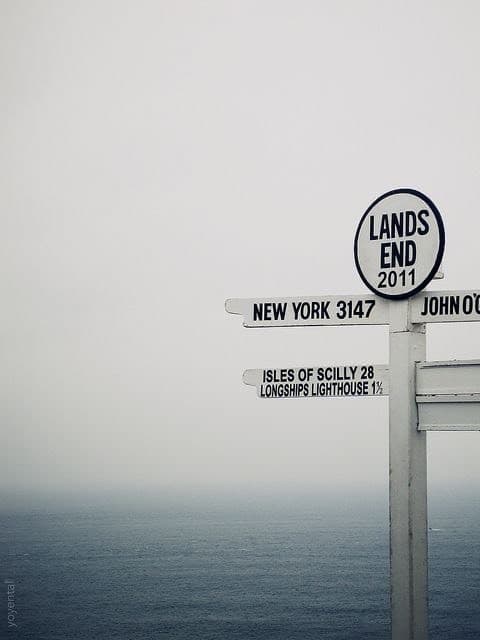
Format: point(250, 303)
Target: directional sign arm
point(310, 311)
point(341, 381)
point(448, 395)
point(235, 305)
point(446, 306)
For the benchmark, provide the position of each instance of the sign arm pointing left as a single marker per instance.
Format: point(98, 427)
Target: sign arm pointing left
point(234, 305)
point(310, 310)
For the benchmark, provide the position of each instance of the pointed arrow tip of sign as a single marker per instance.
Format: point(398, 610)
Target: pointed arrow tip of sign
point(249, 377)
point(233, 305)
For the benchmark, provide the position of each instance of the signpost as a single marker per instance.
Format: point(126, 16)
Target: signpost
point(310, 311)
point(446, 306)
point(399, 244)
point(344, 381)
point(448, 395)
point(398, 250)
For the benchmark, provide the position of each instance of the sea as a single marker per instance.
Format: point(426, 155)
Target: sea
point(299, 568)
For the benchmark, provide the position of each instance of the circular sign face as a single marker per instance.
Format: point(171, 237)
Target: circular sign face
point(399, 244)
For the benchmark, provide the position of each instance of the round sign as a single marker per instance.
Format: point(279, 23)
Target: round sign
point(399, 243)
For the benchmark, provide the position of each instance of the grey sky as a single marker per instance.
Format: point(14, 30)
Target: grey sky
point(159, 157)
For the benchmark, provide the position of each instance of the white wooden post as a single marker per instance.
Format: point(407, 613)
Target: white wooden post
point(408, 482)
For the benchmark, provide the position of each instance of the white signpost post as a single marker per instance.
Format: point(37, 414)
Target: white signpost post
point(398, 249)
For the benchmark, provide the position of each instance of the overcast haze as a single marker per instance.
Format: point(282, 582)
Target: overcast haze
point(160, 157)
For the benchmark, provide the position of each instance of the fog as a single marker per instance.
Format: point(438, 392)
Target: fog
point(160, 157)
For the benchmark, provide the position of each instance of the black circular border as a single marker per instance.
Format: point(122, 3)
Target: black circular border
point(441, 229)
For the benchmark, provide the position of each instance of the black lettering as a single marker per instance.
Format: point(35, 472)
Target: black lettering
point(370, 304)
point(424, 224)
point(384, 255)
point(341, 306)
point(279, 309)
point(258, 311)
point(454, 304)
point(397, 225)
point(410, 223)
point(384, 227)
point(403, 254)
point(397, 254)
point(410, 252)
point(467, 305)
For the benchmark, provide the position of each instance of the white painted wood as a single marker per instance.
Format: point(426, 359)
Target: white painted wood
point(453, 377)
point(449, 413)
point(446, 306)
point(448, 395)
point(346, 381)
point(310, 311)
point(457, 398)
point(408, 482)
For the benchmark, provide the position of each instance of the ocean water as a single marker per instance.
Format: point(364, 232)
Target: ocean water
point(252, 571)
